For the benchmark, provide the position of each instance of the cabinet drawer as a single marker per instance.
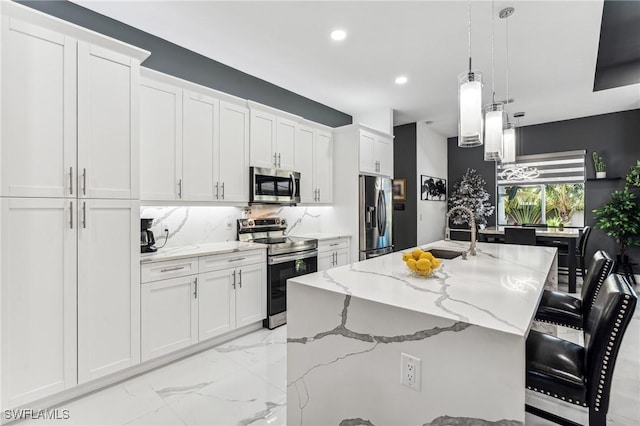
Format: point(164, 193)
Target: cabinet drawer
point(169, 269)
point(215, 262)
point(333, 245)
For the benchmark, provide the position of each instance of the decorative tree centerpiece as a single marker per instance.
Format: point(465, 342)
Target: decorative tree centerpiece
point(470, 192)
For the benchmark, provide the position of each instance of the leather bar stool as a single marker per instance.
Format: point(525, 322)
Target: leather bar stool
point(582, 375)
point(563, 309)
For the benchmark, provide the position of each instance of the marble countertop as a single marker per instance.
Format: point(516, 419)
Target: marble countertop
point(498, 289)
point(323, 235)
point(199, 250)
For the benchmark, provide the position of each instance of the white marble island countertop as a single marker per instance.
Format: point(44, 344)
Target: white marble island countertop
point(498, 289)
point(199, 250)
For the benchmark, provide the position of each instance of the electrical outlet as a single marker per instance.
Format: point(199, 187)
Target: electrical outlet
point(164, 227)
point(228, 224)
point(410, 371)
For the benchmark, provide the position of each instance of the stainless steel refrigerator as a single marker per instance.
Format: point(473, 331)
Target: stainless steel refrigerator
point(375, 216)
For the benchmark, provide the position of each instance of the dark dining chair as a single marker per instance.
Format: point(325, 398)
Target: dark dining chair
point(581, 248)
point(560, 308)
point(524, 236)
point(582, 375)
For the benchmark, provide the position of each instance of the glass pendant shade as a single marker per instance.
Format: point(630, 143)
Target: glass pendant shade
point(509, 144)
point(469, 109)
point(494, 119)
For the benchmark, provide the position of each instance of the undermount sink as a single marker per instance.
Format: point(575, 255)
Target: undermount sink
point(443, 254)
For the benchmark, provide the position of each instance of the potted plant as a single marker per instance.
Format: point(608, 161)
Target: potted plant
point(555, 223)
point(633, 178)
point(620, 219)
point(598, 164)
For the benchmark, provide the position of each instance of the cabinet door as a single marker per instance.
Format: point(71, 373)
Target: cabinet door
point(108, 287)
point(384, 155)
point(262, 140)
point(160, 141)
point(304, 164)
point(233, 161)
point(216, 303)
point(108, 132)
point(38, 267)
point(342, 257)
point(325, 260)
point(38, 112)
point(251, 294)
point(200, 136)
point(323, 166)
point(367, 157)
point(169, 316)
point(286, 143)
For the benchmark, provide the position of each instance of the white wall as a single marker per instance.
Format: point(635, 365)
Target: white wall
point(431, 160)
point(205, 224)
point(379, 119)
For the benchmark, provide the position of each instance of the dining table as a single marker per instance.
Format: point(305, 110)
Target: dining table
point(565, 237)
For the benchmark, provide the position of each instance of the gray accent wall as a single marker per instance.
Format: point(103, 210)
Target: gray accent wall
point(172, 59)
point(615, 136)
point(404, 167)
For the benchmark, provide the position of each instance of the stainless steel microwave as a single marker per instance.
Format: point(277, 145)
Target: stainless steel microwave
point(273, 186)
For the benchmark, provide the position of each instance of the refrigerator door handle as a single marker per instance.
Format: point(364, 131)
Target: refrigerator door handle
point(382, 213)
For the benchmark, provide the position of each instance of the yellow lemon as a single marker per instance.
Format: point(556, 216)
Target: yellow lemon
point(426, 255)
point(411, 264)
point(423, 273)
point(423, 265)
point(435, 262)
point(407, 256)
point(417, 253)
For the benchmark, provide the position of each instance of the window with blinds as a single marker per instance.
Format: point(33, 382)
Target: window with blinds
point(556, 167)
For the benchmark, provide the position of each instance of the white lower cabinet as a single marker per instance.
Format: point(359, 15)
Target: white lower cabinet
point(222, 293)
point(333, 253)
point(169, 316)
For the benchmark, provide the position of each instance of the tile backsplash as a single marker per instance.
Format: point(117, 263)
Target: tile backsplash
point(208, 224)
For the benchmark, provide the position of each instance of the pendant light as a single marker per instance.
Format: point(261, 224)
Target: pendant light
point(509, 132)
point(469, 102)
point(493, 112)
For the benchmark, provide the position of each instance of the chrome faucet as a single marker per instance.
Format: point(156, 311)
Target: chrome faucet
point(472, 220)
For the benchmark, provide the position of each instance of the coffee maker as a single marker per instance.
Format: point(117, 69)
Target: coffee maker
point(147, 240)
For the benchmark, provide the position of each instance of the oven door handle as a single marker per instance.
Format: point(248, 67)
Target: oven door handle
point(275, 260)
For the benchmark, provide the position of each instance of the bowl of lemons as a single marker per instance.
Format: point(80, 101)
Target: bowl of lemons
point(421, 263)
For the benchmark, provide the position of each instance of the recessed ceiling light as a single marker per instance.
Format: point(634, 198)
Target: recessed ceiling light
point(401, 80)
point(338, 35)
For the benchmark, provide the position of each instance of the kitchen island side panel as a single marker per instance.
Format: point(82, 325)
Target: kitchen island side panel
point(343, 365)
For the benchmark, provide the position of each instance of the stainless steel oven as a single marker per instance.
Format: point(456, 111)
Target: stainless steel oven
point(273, 186)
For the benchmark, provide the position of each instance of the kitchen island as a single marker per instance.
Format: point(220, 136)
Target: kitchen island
point(348, 328)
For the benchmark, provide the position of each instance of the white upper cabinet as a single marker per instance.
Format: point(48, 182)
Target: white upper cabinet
point(38, 298)
point(38, 111)
point(323, 166)
point(285, 143)
point(304, 160)
point(233, 153)
point(108, 287)
point(200, 135)
point(108, 110)
point(160, 141)
point(376, 154)
point(263, 140)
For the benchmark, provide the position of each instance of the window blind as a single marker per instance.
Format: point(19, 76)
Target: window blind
point(556, 167)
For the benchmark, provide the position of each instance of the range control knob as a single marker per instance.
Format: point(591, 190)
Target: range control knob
point(283, 222)
point(250, 222)
point(244, 222)
point(277, 221)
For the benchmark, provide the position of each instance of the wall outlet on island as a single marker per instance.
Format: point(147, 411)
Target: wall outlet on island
point(410, 371)
point(228, 225)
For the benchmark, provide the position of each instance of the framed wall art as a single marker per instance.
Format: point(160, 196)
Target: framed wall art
point(433, 188)
point(399, 189)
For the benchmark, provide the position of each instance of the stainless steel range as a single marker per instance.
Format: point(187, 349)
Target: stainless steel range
point(287, 257)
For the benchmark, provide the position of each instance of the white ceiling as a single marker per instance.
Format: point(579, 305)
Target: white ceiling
point(552, 55)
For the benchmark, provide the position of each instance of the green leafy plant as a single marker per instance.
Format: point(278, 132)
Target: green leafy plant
point(523, 205)
point(633, 178)
point(620, 219)
point(555, 222)
point(564, 200)
point(598, 163)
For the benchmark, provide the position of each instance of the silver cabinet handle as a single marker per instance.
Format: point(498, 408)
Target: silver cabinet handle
point(84, 181)
point(71, 215)
point(275, 159)
point(84, 214)
point(318, 194)
point(240, 281)
point(195, 290)
point(71, 180)
point(234, 280)
point(175, 268)
point(180, 188)
point(235, 259)
point(217, 189)
point(335, 258)
point(223, 190)
point(279, 160)
point(334, 244)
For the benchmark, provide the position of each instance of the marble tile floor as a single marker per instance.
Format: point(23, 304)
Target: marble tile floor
point(243, 382)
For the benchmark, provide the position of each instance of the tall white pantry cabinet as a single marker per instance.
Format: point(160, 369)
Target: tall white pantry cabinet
point(69, 205)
